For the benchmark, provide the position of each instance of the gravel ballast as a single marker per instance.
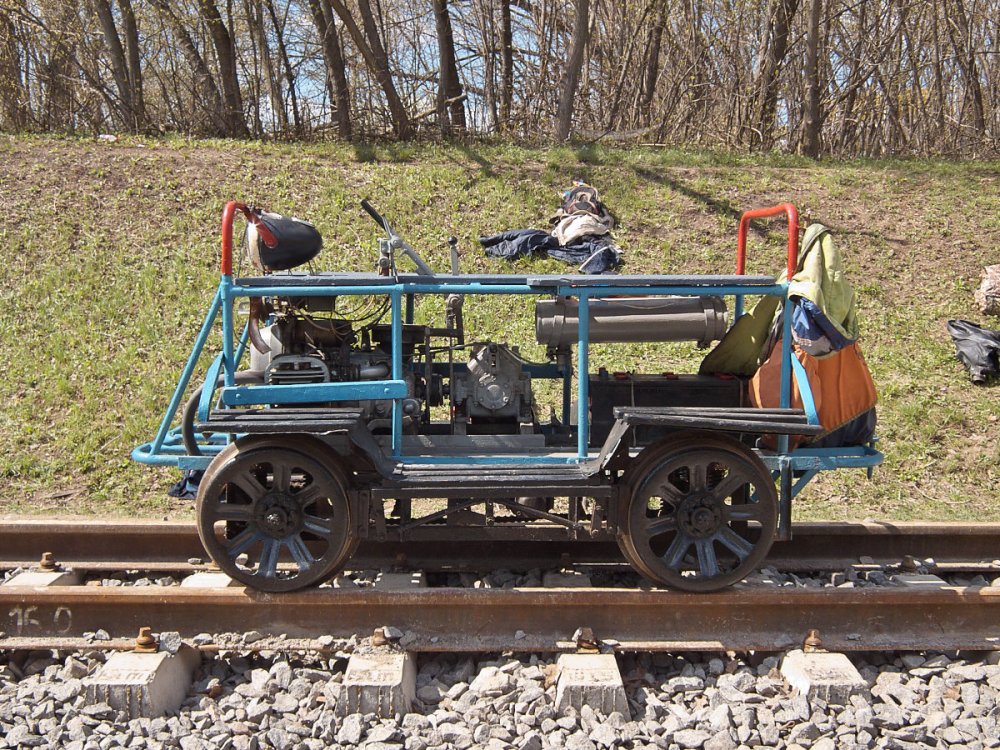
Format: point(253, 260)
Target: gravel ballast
point(716, 702)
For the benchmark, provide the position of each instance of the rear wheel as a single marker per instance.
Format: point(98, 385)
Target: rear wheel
point(701, 515)
point(284, 515)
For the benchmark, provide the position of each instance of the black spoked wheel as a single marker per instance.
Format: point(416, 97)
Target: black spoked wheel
point(702, 516)
point(274, 517)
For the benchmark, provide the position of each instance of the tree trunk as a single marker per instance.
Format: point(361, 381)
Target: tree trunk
point(287, 64)
point(376, 60)
point(130, 31)
point(506, 66)
point(58, 71)
point(571, 76)
point(333, 57)
point(811, 123)
point(203, 78)
point(965, 54)
point(226, 55)
point(779, 24)
point(119, 67)
point(255, 12)
point(449, 85)
point(652, 71)
point(14, 112)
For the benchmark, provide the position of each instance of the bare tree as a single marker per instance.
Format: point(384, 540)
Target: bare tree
point(14, 109)
point(772, 58)
point(811, 123)
point(450, 106)
point(506, 65)
point(333, 57)
point(225, 53)
point(571, 74)
point(844, 77)
point(371, 48)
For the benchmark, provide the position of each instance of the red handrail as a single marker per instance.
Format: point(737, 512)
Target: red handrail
point(793, 235)
point(228, 215)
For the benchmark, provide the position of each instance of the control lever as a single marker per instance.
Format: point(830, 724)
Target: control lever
point(453, 245)
point(391, 243)
point(453, 303)
point(379, 218)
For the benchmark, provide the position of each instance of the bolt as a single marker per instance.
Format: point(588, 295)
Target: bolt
point(378, 637)
point(145, 642)
point(812, 642)
point(909, 563)
point(586, 641)
point(48, 561)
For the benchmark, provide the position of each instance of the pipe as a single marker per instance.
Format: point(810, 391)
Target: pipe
point(632, 319)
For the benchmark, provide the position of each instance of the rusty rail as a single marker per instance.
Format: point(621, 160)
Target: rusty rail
point(166, 546)
point(883, 618)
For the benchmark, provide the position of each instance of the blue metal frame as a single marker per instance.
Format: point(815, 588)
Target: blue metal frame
point(167, 449)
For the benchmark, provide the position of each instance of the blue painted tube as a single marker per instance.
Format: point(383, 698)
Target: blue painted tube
point(242, 348)
point(225, 287)
point(775, 290)
point(182, 384)
point(311, 393)
point(805, 390)
point(583, 363)
point(333, 290)
point(338, 291)
point(397, 374)
point(509, 460)
point(208, 389)
point(786, 368)
point(144, 454)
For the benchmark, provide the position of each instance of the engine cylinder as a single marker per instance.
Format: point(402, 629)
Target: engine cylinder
point(632, 319)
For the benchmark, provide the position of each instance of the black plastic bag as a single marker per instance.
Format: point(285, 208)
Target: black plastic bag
point(977, 348)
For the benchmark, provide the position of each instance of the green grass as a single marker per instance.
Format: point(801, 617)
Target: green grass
point(109, 256)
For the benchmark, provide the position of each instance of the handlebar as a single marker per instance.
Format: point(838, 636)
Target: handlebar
point(252, 216)
point(370, 209)
point(793, 235)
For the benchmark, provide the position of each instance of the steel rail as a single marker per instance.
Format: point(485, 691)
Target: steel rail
point(168, 546)
point(476, 620)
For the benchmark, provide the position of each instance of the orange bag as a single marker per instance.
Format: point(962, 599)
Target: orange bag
point(841, 384)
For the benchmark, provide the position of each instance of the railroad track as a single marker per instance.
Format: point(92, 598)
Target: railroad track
point(746, 617)
point(816, 546)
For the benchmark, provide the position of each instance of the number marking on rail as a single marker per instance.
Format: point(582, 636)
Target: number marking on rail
point(28, 620)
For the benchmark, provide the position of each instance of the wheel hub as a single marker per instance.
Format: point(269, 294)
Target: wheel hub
point(278, 515)
point(699, 517)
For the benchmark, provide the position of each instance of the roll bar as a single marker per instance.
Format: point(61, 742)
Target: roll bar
point(793, 235)
point(253, 216)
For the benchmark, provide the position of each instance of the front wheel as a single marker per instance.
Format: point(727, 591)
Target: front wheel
point(701, 515)
point(274, 516)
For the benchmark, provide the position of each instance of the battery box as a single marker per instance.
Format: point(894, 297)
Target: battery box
point(608, 390)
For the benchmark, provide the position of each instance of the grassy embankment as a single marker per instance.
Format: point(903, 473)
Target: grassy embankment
point(109, 257)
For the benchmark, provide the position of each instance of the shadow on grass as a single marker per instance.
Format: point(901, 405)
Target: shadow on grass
point(485, 165)
point(719, 206)
point(589, 153)
point(389, 151)
point(723, 207)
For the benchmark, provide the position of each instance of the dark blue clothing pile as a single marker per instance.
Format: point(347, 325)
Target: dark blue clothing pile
point(592, 253)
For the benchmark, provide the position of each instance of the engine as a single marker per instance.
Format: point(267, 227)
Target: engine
point(307, 348)
point(494, 395)
point(307, 342)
